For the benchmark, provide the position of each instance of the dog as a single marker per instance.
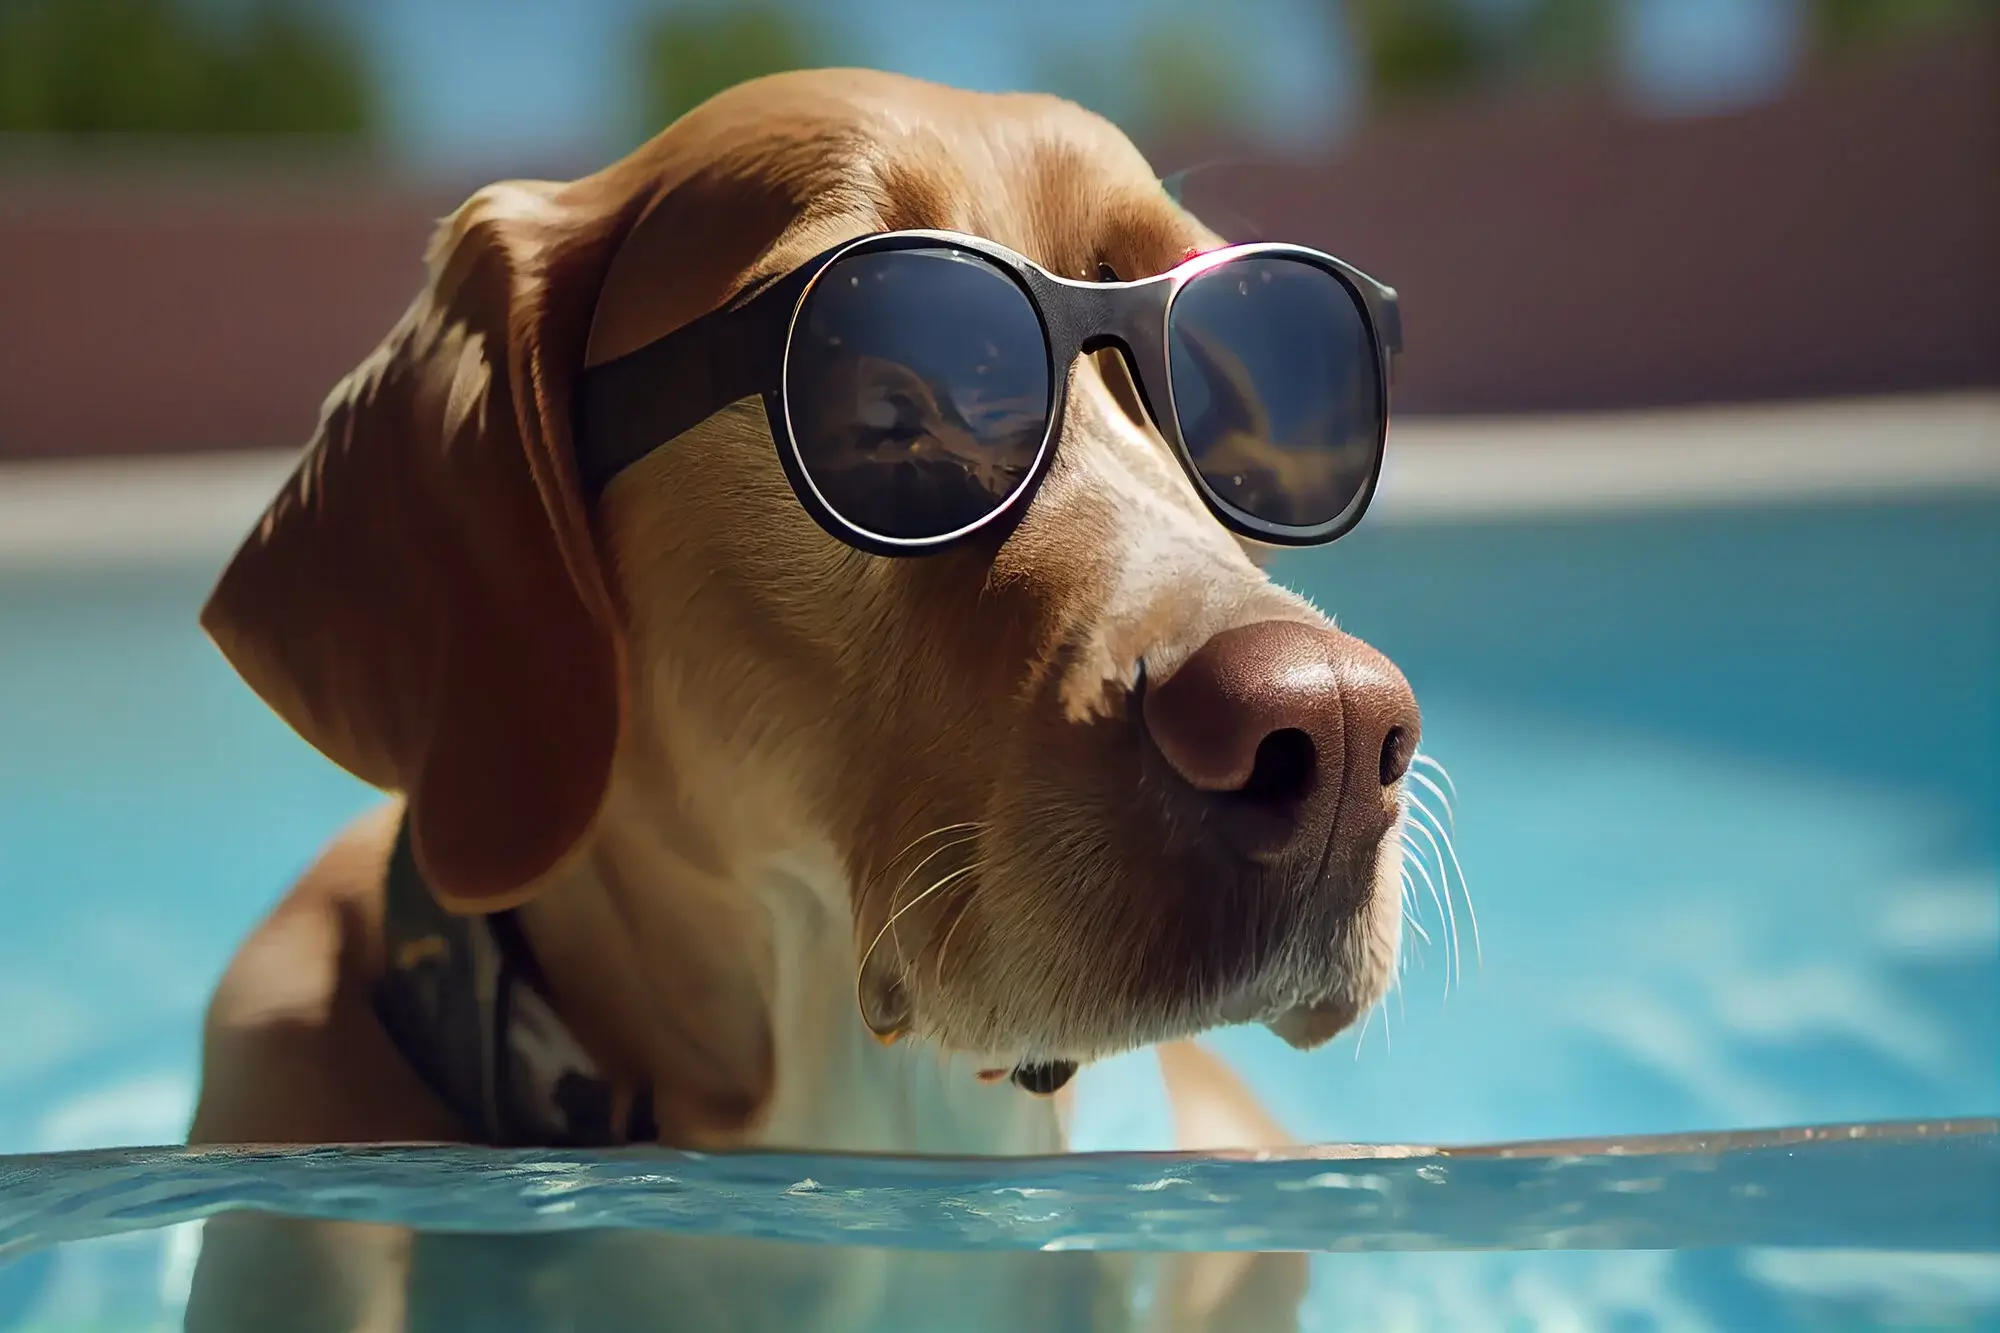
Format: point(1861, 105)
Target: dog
point(794, 845)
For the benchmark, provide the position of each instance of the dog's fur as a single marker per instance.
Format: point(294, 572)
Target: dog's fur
point(708, 751)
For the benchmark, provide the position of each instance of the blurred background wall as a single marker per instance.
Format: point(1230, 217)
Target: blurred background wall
point(210, 209)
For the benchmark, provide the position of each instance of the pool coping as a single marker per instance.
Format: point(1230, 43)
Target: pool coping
point(153, 510)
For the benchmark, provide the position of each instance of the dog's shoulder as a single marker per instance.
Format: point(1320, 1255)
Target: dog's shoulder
point(292, 1050)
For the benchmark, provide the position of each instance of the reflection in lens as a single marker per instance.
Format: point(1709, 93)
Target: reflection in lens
point(917, 390)
point(1276, 388)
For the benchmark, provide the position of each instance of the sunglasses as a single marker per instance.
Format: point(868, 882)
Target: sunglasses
point(915, 383)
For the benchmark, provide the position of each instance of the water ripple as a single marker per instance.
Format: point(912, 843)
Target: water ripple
point(1926, 1186)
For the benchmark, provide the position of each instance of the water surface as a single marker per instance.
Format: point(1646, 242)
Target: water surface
point(1729, 803)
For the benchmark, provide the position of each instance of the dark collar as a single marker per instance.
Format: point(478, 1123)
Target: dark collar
point(464, 1003)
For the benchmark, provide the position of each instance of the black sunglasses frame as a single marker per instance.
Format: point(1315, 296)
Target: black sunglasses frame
point(628, 407)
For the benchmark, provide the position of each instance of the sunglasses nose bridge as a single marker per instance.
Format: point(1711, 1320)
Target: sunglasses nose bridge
point(1132, 317)
point(1130, 320)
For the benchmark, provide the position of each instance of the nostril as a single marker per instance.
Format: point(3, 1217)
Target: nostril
point(1282, 772)
point(1397, 751)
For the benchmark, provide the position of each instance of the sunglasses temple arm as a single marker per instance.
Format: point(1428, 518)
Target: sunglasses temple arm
point(631, 406)
point(1389, 318)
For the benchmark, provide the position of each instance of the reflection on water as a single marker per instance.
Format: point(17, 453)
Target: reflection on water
point(134, 1283)
point(615, 1281)
point(523, 1240)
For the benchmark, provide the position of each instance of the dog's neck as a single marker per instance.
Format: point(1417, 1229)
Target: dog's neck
point(727, 984)
point(838, 1086)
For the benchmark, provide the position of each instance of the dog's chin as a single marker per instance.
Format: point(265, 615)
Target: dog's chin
point(1307, 1024)
point(1303, 1026)
point(1065, 995)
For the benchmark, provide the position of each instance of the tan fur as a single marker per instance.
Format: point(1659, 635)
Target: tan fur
point(709, 751)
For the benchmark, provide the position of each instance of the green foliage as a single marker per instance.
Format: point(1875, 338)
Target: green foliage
point(1418, 50)
point(1561, 40)
point(1185, 74)
point(1415, 50)
point(1178, 73)
point(85, 67)
point(1842, 27)
point(687, 55)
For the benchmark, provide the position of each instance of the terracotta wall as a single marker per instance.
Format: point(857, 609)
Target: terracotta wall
point(1550, 256)
point(161, 313)
point(1560, 256)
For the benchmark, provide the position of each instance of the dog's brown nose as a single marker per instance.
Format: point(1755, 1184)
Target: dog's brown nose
point(1302, 723)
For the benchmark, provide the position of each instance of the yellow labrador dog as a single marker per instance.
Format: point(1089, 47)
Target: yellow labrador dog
point(718, 824)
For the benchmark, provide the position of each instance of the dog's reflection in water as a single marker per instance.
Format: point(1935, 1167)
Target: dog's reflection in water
point(386, 1280)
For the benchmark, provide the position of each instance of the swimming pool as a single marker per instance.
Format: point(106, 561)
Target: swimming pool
point(1729, 805)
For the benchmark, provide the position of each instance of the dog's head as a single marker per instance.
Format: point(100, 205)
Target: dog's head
point(1094, 782)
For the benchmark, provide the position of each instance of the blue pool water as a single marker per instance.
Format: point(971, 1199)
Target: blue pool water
point(1729, 807)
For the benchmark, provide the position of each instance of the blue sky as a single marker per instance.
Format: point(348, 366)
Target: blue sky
point(491, 80)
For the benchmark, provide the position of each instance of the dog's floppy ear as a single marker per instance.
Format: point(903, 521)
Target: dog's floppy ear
point(423, 602)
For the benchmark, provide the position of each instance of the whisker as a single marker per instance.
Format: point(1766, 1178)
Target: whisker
point(1438, 769)
point(948, 877)
point(971, 828)
point(916, 869)
point(944, 947)
point(1414, 857)
point(1413, 802)
point(1409, 897)
point(910, 878)
point(1465, 889)
point(967, 826)
point(1411, 918)
point(1450, 913)
point(1450, 814)
point(1438, 855)
point(899, 913)
point(1413, 860)
point(1443, 904)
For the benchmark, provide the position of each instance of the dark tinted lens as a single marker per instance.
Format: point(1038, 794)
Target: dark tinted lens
point(917, 389)
point(1276, 388)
